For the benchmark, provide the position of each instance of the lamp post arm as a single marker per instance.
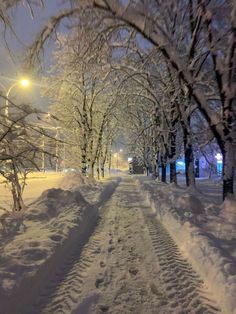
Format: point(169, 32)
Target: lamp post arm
point(7, 96)
point(10, 88)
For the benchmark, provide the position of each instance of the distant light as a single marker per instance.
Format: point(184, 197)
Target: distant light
point(130, 159)
point(115, 155)
point(121, 150)
point(24, 82)
point(219, 157)
point(181, 163)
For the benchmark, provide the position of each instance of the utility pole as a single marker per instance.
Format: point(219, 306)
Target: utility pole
point(56, 137)
point(43, 154)
point(117, 161)
point(64, 156)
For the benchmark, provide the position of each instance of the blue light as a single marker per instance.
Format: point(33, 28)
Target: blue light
point(219, 167)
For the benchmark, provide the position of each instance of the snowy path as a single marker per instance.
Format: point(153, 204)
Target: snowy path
point(129, 265)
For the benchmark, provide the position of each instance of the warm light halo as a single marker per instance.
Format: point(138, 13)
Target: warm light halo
point(24, 82)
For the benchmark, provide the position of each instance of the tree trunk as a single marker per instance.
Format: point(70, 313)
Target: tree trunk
point(98, 172)
point(189, 159)
point(18, 203)
point(95, 153)
point(109, 163)
point(173, 176)
point(189, 166)
point(154, 168)
point(84, 151)
point(91, 169)
point(103, 170)
point(157, 172)
point(103, 161)
point(228, 146)
point(84, 157)
point(163, 172)
point(228, 170)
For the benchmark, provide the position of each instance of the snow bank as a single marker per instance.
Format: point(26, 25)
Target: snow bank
point(75, 181)
point(52, 202)
point(186, 219)
point(47, 224)
point(88, 187)
point(38, 240)
point(228, 211)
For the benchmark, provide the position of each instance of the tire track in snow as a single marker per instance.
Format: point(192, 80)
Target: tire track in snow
point(124, 284)
point(176, 285)
point(63, 293)
point(184, 288)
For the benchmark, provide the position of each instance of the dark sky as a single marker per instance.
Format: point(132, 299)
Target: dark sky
point(26, 29)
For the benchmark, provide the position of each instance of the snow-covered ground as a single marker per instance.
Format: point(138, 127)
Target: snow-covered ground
point(32, 241)
point(129, 264)
point(89, 247)
point(204, 229)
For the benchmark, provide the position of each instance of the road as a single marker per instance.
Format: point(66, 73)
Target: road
point(129, 265)
point(37, 182)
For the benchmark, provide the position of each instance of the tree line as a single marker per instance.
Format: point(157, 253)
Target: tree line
point(164, 70)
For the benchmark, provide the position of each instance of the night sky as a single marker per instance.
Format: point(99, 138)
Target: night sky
point(26, 29)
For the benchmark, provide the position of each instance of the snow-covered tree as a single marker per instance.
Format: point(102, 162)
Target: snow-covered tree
point(20, 151)
point(197, 39)
point(83, 94)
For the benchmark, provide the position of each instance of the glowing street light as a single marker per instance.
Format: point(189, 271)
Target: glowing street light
point(24, 82)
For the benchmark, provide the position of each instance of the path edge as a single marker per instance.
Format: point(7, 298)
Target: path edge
point(198, 247)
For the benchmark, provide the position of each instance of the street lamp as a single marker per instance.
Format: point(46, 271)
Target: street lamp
point(116, 155)
point(23, 83)
point(57, 128)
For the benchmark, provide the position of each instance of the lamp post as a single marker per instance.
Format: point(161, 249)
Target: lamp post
point(116, 156)
point(43, 154)
point(56, 137)
point(23, 83)
point(57, 129)
point(64, 156)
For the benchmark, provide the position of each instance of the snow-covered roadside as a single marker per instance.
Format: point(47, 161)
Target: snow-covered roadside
point(36, 183)
point(199, 230)
point(38, 240)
